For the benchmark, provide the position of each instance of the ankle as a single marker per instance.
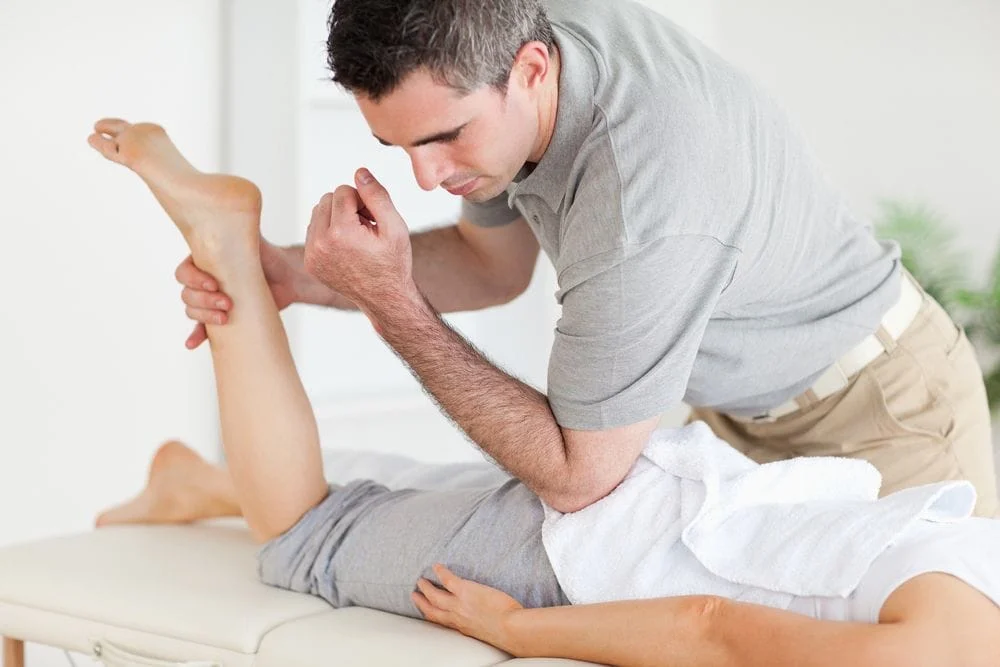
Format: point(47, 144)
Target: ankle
point(220, 251)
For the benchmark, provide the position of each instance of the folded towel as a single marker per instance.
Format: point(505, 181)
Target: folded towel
point(694, 516)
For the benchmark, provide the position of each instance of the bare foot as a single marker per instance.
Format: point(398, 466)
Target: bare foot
point(212, 209)
point(182, 487)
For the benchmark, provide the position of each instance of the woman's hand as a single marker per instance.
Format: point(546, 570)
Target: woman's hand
point(469, 607)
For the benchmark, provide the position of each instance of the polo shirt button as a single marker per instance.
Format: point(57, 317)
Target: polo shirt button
point(535, 218)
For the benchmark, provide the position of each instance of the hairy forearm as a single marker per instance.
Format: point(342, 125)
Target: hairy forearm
point(697, 630)
point(508, 419)
point(447, 270)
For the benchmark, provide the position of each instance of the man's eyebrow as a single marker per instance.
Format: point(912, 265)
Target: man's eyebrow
point(440, 136)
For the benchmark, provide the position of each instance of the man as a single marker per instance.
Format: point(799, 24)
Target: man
point(701, 255)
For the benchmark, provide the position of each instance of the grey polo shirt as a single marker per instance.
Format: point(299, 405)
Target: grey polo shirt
point(700, 252)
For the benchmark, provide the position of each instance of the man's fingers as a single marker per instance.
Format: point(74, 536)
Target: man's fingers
point(111, 126)
point(374, 197)
point(345, 202)
point(197, 337)
point(189, 275)
point(206, 316)
point(106, 147)
point(205, 300)
point(325, 202)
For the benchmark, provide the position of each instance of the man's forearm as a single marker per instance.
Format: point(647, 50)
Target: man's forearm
point(445, 269)
point(508, 419)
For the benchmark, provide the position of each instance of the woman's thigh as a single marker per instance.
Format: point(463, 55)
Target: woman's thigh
point(366, 545)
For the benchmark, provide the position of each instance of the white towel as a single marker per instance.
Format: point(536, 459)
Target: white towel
point(694, 516)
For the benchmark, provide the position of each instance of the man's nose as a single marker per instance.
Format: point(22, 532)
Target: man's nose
point(428, 171)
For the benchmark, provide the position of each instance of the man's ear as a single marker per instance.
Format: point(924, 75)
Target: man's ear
point(532, 65)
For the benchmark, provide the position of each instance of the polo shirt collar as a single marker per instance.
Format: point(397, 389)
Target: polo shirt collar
point(574, 122)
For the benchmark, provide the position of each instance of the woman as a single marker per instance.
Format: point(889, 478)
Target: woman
point(361, 543)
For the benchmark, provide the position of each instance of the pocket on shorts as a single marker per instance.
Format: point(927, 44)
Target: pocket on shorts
point(906, 406)
point(870, 415)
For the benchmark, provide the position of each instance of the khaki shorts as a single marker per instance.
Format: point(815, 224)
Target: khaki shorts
point(918, 413)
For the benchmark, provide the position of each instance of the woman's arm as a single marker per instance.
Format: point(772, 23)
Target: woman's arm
point(695, 630)
point(698, 630)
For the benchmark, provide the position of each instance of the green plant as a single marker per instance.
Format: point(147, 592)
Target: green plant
point(930, 253)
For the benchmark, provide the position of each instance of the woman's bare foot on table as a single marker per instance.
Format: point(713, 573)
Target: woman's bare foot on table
point(182, 487)
point(212, 211)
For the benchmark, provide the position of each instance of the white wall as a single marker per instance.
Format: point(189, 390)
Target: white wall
point(898, 98)
point(93, 371)
point(699, 17)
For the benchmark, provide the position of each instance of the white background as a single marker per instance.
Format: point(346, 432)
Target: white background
point(899, 99)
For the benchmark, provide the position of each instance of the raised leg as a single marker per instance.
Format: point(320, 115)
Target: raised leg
point(13, 652)
point(269, 432)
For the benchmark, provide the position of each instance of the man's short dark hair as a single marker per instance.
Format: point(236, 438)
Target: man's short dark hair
point(466, 44)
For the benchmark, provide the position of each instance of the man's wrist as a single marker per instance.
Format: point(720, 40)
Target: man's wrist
point(390, 310)
point(305, 287)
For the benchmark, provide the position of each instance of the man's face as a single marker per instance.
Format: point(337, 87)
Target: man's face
point(471, 145)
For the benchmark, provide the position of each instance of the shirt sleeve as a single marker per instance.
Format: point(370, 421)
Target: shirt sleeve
point(490, 213)
point(632, 322)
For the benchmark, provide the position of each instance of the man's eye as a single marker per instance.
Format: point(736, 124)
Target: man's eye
point(451, 137)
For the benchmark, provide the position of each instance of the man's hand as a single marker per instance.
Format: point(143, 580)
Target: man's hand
point(206, 304)
point(358, 245)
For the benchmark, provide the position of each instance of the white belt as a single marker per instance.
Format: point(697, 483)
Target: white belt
point(837, 376)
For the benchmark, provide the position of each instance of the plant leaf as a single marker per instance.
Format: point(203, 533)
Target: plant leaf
point(928, 250)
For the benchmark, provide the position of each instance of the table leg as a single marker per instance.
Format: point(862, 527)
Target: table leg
point(13, 652)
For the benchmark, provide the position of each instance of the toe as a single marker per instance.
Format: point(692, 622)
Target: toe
point(111, 126)
point(106, 147)
point(137, 510)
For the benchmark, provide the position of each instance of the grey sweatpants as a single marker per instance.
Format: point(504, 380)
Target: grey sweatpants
point(366, 544)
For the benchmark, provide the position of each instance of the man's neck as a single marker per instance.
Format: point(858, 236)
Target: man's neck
point(548, 109)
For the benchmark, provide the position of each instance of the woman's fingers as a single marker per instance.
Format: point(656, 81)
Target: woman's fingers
point(430, 612)
point(449, 579)
point(441, 599)
point(434, 604)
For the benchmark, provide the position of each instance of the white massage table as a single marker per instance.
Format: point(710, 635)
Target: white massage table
point(188, 595)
